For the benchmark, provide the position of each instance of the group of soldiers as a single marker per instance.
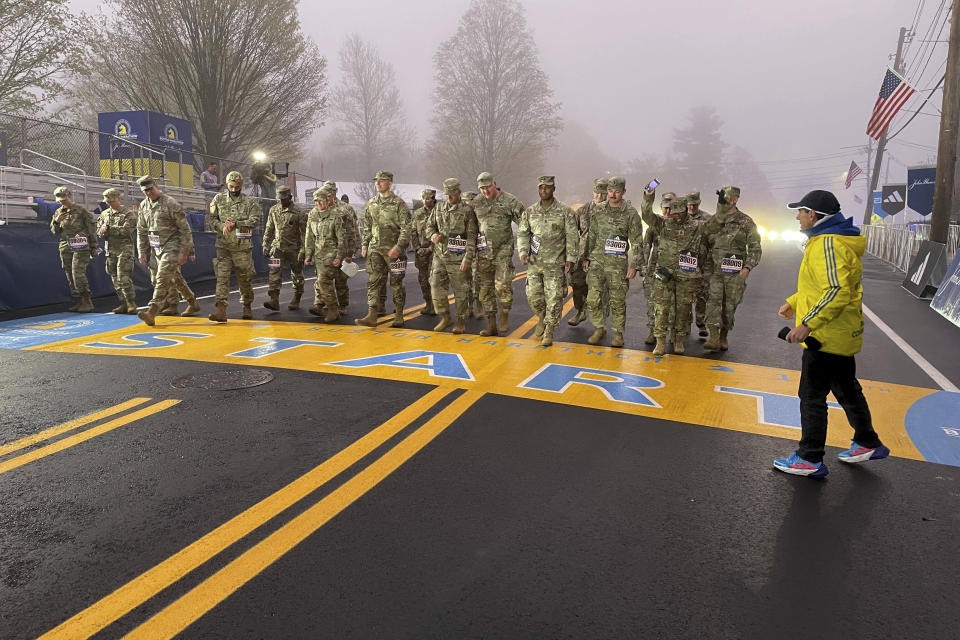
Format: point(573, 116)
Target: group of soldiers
point(693, 265)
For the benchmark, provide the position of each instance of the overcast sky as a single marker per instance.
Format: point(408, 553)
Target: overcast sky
point(789, 79)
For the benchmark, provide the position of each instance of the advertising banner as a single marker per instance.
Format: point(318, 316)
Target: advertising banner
point(894, 198)
point(947, 300)
point(920, 184)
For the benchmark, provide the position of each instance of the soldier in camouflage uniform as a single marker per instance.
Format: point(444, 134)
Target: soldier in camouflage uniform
point(468, 197)
point(234, 216)
point(733, 243)
point(703, 287)
point(578, 275)
point(547, 241)
point(453, 231)
point(679, 264)
point(496, 212)
point(283, 240)
point(180, 288)
point(615, 229)
point(423, 248)
point(352, 231)
point(162, 231)
point(327, 243)
point(386, 234)
point(650, 247)
point(78, 245)
point(116, 226)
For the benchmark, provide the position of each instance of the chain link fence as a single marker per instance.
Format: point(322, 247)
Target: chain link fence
point(898, 244)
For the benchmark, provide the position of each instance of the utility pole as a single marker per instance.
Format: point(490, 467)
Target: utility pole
point(869, 199)
point(947, 148)
point(875, 174)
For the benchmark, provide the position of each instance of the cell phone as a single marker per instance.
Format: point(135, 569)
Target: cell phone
point(653, 184)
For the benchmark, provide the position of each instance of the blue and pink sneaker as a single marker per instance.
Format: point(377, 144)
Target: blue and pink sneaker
point(799, 467)
point(858, 453)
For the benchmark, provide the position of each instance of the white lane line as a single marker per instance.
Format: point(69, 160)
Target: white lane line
point(912, 353)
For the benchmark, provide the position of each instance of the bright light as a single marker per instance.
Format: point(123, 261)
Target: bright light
point(761, 231)
point(259, 156)
point(772, 235)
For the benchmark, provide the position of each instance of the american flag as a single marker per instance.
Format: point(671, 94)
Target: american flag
point(894, 93)
point(852, 173)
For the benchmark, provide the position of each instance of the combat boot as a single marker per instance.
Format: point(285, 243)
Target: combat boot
point(445, 321)
point(617, 339)
point(651, 339)
point(503, 322)
point(332, 315)
point(397, 320)
point(274, 302)
point(170, 310)
point(86, 304)
point(121, 308)
point(131, 306)
point(369, 320)
point(76, 303)
point(220, 315)
point(491, 329)
point(538, 332)
point(713, 344)
point(577, 319)
point(295, 303)
point(723, 340)
point(547, 339)
point(597, 336)
point(149, 314)
point(661, 347)
point(247, 312)
point(678, 347)
point(428, 309)
point(316, 309)
point(460, 326)
point(192, 308)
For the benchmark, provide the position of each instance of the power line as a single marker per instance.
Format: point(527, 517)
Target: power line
point(918, 109)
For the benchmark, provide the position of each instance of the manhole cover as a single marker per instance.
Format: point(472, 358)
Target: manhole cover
point(224, 380)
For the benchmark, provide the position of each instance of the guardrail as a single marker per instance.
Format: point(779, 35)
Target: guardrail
point(898, 244)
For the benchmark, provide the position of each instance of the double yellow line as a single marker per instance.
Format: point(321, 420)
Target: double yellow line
point(178, 615)
point(79, 437)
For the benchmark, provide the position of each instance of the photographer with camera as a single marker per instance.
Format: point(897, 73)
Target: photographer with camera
point(829, 323)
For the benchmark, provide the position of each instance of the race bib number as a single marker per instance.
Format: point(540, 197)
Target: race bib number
point(274, 263)
point(731, 263)
point(456, 244)
point(244, 235)
point(615, 246)
point(154, 239)
point(79, 242)
point(535, 245)
point(688, 262)
point(399, 266)
point(482, 242)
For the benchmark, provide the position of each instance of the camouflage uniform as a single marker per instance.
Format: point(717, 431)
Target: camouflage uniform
point(456, 224)
point(387, 226)
point(283, 243)
point(116, 227)
point(423, 248)
point(613, 232)
point(650, 250)
point(679, 264)
point(234, 248)
point(162, 231)
point(468, 198)
point(547, 237)
point(733, 243)
point(494, 264)
point(703, 286)
point(328, 240)
point(352, 232)
point(180, 288)
point(578, 275)
point(78, 242)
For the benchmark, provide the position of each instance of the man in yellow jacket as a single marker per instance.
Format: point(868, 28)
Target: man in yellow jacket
point(829, 324)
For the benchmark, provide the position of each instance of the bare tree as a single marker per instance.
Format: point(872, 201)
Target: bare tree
point(493, 107)
point(35, 47)
point(369, 111)
point(700, 148)
point(242, 72)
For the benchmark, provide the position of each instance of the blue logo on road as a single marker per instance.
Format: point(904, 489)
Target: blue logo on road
point(34, 332)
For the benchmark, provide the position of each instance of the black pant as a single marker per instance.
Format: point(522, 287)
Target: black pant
point(824, 372)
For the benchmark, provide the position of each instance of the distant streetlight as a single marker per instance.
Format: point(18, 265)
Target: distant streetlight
point(259, 156)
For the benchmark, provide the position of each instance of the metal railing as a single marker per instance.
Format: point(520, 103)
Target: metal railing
point(898, 244)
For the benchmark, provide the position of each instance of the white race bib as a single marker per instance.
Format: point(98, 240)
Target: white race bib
point(688, 262)
point(79, 242)
point(399, 266)
point(154, 239)
point(244, 235)
point(731, 263)
point(535, 245)
point(274, 263)
point(456, 244)
point(615, 246)
point(482, 242)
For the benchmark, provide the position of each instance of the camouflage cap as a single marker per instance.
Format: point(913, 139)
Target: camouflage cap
point(547, 181)
point(320, 194)
point(485, 179)
point(693, 197)
point(451, 186)
point(667, 197)
point(616, 183)
point(331, 184)
point(679, 204)
point(283, 189)
point(146, 182)
point(234, 176)
point(111, 193)
point(62, 192)
point(384, 175)
point(600, 185)
point(731, 190)
point(470, 195)
point(428, 193)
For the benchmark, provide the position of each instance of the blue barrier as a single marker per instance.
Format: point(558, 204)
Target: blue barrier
point(31, 275)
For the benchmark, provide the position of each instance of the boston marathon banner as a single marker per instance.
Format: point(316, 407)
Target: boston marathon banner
point(122, 153)
point(920, 184)
point(878, 205)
